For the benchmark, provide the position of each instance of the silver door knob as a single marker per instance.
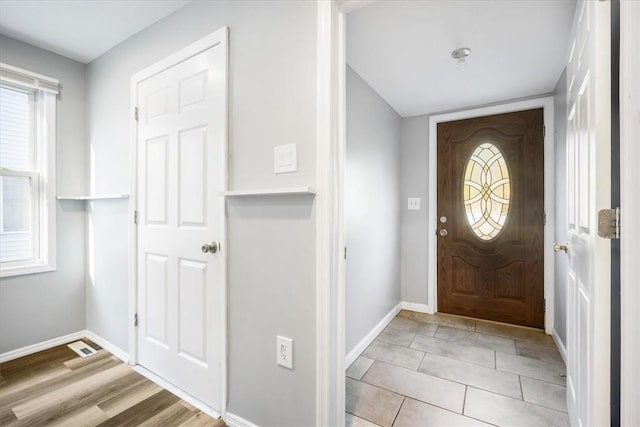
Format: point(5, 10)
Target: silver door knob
point(210, 248)
point(443, 233)
point(558, 248)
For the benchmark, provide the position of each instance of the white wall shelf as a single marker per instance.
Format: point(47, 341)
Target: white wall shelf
point(89, 198)
point(270, 192)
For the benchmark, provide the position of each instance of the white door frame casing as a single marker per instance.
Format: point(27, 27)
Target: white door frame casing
point(546, 103)
point(218, 37)
point(330, 226)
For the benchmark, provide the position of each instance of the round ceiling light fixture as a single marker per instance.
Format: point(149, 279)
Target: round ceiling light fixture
point(461, 54)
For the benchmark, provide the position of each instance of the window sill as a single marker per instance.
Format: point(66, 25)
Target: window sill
point(26, 269)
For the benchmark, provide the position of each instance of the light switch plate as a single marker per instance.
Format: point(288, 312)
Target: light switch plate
point(285, 158)
point(413, 203)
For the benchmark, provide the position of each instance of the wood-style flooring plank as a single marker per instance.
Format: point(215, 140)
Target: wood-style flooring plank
point(142, 411)
point(12, 387)
point(79, 362)
point(173, 416)
point(129, 397)
point(82, 418)
point(7, 418)
point(71, 407)
point(57, 387)
point(54, 385)
point(57, 398)
point(36, 363)
point(202, 420)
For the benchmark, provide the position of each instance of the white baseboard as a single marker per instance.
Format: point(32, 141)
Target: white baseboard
point(561, 348)
point(420, 308)
point(368, 339)
point(116, 351)
point(178, 392)
point(44, 345)
point(233, 420)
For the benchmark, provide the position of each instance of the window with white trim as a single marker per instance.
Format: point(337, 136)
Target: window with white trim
point(27, 171)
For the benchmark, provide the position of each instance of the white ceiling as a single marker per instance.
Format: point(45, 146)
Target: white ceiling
point(402, 49)
point(80, 29)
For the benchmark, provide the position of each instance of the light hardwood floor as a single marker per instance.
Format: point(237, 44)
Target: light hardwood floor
point(57, 387)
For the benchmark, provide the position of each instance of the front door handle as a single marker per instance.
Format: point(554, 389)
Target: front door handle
point(558, 248)
point(443, 232)
point(210, 248)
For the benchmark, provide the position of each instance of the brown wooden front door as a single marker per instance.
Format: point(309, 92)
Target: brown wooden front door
point(491, 208)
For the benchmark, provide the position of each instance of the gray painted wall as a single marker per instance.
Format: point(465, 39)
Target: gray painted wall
point(561, 212)
point(39, 307)
point(372, 208)
point(271, 240)
point(414, 182)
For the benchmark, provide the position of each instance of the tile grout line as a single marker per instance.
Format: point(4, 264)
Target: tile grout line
point(517, 400)
point(464, 399)
point(415, 398)
point(361, 417)
point(421, 360)
point(440, 378)
point(404, 399)
point(535, 379)
point(521, 390)
point(412, 340)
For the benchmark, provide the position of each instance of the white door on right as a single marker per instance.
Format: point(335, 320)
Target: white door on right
point(589, 182)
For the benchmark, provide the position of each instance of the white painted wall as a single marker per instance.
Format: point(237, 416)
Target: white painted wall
point(562, 233)
point(39, 307)
point(372, 208)
point(414, 182)
point(271, 240)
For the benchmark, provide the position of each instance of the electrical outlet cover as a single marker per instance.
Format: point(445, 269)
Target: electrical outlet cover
point(284, 352)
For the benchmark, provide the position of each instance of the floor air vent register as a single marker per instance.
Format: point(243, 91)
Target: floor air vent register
point(82, 348)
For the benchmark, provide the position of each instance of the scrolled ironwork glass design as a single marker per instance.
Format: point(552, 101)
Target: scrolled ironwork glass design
point(487, 191)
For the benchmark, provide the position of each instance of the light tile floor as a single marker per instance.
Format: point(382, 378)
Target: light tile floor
point(443, 370)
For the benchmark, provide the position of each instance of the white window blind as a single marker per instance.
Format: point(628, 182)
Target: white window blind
point(19, 178)
point(27, 171)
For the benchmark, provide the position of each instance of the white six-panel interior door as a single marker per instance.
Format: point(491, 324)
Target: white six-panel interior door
point(589, 181)
point(181, 138)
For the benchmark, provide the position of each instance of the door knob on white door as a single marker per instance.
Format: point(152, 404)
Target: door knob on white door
point(210, 248)
point(558, 248)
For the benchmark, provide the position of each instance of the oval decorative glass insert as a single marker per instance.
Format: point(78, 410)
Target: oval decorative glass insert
point(487, 191)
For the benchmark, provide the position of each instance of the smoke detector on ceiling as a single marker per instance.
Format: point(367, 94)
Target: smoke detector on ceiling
point(461, 54)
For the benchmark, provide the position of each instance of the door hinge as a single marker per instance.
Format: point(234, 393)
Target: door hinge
point(544, 305)
point(345, 252)
point(135, 217)
point(135, 113)
point(135, 320)
point(544, 218)
point(609, 223)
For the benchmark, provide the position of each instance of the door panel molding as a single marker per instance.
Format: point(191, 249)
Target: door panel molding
point(546, 103)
